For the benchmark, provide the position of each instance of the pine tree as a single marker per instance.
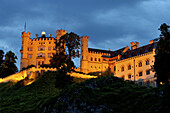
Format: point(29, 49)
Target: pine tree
point(8, 65)
point(162, 57)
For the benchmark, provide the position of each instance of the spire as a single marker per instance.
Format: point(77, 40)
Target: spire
point(25, 27)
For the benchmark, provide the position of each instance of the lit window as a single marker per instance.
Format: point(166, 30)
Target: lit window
point(129, 67)
point(49, 48)
point(147, 62)
point(140, 73)
point(122, 69)
point(49, 55)
point(148, 72)
point(140, 64)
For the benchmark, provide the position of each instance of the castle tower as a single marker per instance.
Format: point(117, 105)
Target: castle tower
point(84, 54)
point(60, 33)
point(24, 49)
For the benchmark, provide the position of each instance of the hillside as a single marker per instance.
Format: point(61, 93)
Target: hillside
point(104, 94)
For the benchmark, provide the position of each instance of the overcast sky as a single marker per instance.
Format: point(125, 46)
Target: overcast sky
point(108, 23)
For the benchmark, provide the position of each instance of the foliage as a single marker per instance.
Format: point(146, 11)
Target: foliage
point(162, 57)
point(72, 43)
point(1, 61)
point(110, 94)
point(30, 66)
point(8, 66)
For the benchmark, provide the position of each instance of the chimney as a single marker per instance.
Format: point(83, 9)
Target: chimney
point(49, 35)
point(36, 35)
point(134, 45)
point(151, 41)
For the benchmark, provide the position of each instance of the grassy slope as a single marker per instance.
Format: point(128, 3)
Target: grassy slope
point(109, 91)
point(15, 98)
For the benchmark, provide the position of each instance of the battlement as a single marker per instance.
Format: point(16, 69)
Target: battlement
point(60, 32)
point(28, 34)
point(84, 37)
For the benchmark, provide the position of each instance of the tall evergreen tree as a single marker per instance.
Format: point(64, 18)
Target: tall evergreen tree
point(8, 65)
point(1, 61)
point(162, 57)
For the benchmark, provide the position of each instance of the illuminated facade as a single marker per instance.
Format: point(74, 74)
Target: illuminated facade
point(37, 51)
point(130, 64)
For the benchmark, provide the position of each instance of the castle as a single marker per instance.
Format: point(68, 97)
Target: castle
point(132, 63)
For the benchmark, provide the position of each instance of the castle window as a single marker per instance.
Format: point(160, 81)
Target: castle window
point(129, 76)
point(95, 59)
point(42, 62)
point(91, 67)
point(49, 55)
point(54, 48)
point(129, 67)
point(91, 59)
point(99, 59)
point(114, 68)
point(31, 43)
point(31, 49)
point(49, 48)
point(147, 62)
point(41, 54)
point(38, 62)
point(21, 55)
point(140, 74)
point(122, 69)
point(82, 57)
point(148, 72)
point(82, 45)
point(49, 42)
point(140, 64)
point(99, 67)
point(30, 55)
point(41, 48)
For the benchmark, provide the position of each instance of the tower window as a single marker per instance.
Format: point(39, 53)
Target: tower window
point(91, 59)
point(31, 49)
point(49, 55)
point(140, 64)
point(30, 55)
point(147, 62)
point(49, 48)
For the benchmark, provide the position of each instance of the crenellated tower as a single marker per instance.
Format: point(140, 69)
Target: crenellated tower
point(84, 54)
point(60, 33)
point(24, 49)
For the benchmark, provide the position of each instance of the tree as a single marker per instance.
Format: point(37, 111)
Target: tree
point(8, 65)
point(162, 57)
point(68, 43)
point(72, 43)
point(1, 61)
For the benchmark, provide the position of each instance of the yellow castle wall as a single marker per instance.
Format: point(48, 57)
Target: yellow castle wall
point(135, 61)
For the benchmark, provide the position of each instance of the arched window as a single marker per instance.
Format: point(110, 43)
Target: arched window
point(129, 67)
point(122, 69)
point(91, 59)
point(99, 59)
point(147, 62)
point(140, 64)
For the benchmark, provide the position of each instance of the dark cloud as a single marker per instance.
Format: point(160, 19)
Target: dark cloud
point(109, 24)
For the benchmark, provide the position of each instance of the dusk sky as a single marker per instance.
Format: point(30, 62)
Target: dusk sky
point(108, 23)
